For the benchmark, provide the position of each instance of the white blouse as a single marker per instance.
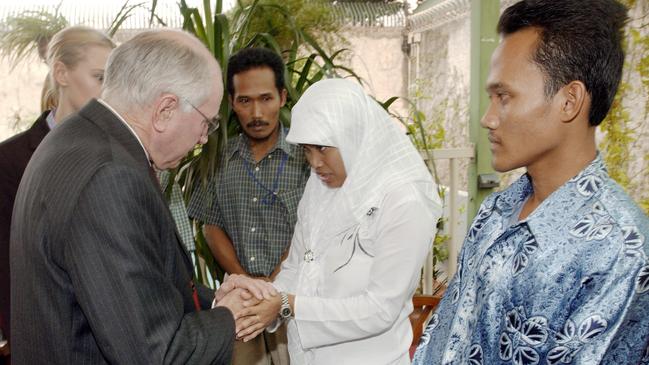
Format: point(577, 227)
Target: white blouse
point(365, 280)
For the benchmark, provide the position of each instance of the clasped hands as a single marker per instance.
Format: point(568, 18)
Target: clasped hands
point(255, 304)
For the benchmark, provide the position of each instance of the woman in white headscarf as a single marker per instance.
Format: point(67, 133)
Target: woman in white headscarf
point(365, 224)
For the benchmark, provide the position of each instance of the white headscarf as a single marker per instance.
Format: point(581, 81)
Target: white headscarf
point(377, 155)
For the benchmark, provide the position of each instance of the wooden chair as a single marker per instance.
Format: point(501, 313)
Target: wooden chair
point(5, 353)
point(423, 308)
point(5, 350)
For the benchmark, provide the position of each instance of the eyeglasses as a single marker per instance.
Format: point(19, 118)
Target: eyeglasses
point(212, 123)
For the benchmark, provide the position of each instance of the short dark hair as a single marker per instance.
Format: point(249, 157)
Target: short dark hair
point(578, 40)
point(256, 57)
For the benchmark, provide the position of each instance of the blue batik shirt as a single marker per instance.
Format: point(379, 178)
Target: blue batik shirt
point(567, 285)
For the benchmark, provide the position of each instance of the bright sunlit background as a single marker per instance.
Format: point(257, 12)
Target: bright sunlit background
point(78, 12)
point(103, 5)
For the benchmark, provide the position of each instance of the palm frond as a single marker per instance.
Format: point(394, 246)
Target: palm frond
point(28, 31)
point(123, 14)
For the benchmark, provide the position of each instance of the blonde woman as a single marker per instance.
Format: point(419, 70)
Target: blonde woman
point(76, 57)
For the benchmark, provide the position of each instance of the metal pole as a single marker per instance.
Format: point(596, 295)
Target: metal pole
point(456, 241)
point(484, 39)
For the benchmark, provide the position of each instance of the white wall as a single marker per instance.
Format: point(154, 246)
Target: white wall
point(20, 95)
point(377, 57)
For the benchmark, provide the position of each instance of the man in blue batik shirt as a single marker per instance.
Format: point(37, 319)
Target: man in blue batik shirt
point(554, 269)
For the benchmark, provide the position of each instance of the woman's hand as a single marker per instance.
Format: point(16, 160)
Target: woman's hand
point(255, 317)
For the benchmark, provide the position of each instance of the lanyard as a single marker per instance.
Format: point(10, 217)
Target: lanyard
point(271, 194)
point(197, 303)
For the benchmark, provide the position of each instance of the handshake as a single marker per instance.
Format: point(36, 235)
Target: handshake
point(255, 304)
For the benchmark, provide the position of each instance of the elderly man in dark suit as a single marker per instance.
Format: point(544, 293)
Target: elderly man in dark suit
point(98, 272)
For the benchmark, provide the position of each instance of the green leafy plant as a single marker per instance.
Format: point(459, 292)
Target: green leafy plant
point(126, 11)
point(426, 136)
point(27, 32)
point(426, 140)
point(623, 132)
point(313, 16)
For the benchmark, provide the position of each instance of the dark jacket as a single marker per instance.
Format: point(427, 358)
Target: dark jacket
point(15, 153)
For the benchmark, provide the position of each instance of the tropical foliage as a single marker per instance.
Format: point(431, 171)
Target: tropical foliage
point(314, 17)
point(428, 135)
point(27, 32)
point(624, 134)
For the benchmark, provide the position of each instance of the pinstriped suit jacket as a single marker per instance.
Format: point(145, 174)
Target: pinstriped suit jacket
point(98, 274)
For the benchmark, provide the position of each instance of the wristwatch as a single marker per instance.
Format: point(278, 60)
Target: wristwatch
point(285, 311)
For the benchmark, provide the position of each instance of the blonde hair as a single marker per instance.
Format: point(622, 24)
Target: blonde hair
point(68, 46)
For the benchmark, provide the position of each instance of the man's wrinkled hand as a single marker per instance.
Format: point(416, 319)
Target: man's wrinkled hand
point(236, 300)
point(260, 289)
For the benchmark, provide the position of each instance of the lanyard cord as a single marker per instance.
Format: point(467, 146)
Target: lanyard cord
point(271, 194)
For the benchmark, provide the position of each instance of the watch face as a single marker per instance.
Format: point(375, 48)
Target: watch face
point(286, 312)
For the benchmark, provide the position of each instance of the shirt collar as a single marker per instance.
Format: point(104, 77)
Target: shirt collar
point(104, 103)
point(578, 191)
point(243, 147)
point(51, 123)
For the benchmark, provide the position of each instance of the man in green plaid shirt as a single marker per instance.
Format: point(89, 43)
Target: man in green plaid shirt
point(249, 208)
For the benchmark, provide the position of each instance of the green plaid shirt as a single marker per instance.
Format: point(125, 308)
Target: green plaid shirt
point(178, 211)
point(240, 200)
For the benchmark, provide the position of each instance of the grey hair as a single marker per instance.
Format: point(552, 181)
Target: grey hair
point(153, 63)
